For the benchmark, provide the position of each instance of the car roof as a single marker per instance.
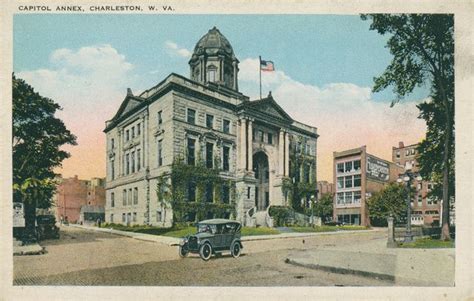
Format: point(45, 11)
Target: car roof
point(217, 221)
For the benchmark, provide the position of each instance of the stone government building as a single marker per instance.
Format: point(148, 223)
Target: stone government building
point(198, 119)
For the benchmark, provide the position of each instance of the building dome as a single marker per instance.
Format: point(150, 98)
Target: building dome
point(213, 43)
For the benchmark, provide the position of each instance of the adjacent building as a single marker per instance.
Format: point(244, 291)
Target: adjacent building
point(202, 119)
point(324, 187)
point(357, 175)
point(72, 194)
point(425, 210)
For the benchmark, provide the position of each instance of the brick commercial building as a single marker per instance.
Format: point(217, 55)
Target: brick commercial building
point(205, 120)
point(357, 175)
point(425, 210)
point(72, 194)
point(324, 187)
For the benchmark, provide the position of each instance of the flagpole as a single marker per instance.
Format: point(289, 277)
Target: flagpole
point(260, 73)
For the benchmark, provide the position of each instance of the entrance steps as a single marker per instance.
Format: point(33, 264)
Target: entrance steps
point(261, 218)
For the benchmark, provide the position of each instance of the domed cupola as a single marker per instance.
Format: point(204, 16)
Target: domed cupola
point(213, 60)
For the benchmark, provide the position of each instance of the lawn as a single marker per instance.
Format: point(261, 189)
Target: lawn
point(428, 243)
point(327, 228)
point(181, 231)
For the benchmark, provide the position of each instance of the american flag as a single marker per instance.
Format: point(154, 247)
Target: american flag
point(266, 65)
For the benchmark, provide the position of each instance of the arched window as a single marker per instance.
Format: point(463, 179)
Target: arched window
point(211, 73)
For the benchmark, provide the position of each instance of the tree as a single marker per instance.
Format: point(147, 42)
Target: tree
point(423, 50)
point(390, 201)
point(36, 140)
point(300, 185)
point(324, 206)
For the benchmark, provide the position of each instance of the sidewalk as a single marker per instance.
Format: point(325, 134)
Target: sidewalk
point(407, 267)
point(173, 241)
point(31, 249)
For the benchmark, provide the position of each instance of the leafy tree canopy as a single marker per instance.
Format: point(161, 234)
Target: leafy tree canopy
point(390, 201)
point(37, 138)
point(324, 206)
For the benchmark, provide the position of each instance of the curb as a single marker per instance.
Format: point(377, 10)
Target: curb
point(301, 234)
point(27, 253)
point(342, 270)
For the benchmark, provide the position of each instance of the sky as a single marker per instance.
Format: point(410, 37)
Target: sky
point(325, 65)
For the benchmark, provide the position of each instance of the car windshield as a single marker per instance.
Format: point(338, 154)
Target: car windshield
point(206, 228)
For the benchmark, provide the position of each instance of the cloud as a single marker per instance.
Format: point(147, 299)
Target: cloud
point(344, 113)
point(89, 83)
point(174, 49)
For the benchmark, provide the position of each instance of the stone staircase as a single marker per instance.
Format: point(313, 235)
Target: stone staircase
point(261, 218)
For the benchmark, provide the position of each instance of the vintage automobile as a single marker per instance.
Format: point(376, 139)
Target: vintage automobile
point(46, 227)
point(213, 236)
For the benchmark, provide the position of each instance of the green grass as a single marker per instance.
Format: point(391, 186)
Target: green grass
point(326, 228)
point(249, 231)
point(181, 231)
point(428, 243)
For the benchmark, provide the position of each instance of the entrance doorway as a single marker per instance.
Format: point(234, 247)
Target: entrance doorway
point(262, 174)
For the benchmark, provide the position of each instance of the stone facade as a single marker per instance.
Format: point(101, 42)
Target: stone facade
point(202, 119)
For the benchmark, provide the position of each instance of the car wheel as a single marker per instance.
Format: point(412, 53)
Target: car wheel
point(183, 250)
point(235, 250)
point(205, 251)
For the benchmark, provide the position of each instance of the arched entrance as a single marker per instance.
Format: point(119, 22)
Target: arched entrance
point(262, 187)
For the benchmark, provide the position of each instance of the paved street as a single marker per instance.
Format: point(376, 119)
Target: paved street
point(84, 257)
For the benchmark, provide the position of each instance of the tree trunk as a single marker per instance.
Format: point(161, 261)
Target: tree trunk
point(445, 225)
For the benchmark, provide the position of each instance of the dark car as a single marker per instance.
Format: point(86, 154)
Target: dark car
point(213, 236)
point(46, 227)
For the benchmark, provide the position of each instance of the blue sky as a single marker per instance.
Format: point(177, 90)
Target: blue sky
point(325, 66)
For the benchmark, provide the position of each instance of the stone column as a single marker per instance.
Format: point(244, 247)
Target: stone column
point(281, 153)
point(249, 143)
point(242, 145)
point(234, 64)
point(287, 154)
point(391, 243)
point(119, 152)
point(198, 149)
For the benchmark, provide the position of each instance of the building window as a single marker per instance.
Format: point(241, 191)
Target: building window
point(111, 217)
point(397, 154)
point(158, 216)
point(129, 197)
point(340, 167)
point(348, 197)
point(209, 121)
point(191, 151)
point(340, 182)
point(139, 159)
point(132, 158)
point(211, 74)
point(112, 169)
point(357, 181)
point(226, 126)
point(160, 119)
point(225, 194)
point(348, 181)
point(160, 152)
point(112, 143)
point(225, 158)
point(348, 166)
point(191, 192)
point(209, 193)
point(127, 164)
point(357, 164)
point(340, 198)
point(134, 216)
point(124, 197)
point(270, 138)
point(209, 155)
point(357, 197)
point(127, 135)
point(139, 129)
point(248, 192)
point(133, 132)
point(261, 136)
point(191, 116)
point(112, 199)
point(306, 169)
point(124, 219)
point(135, 196)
